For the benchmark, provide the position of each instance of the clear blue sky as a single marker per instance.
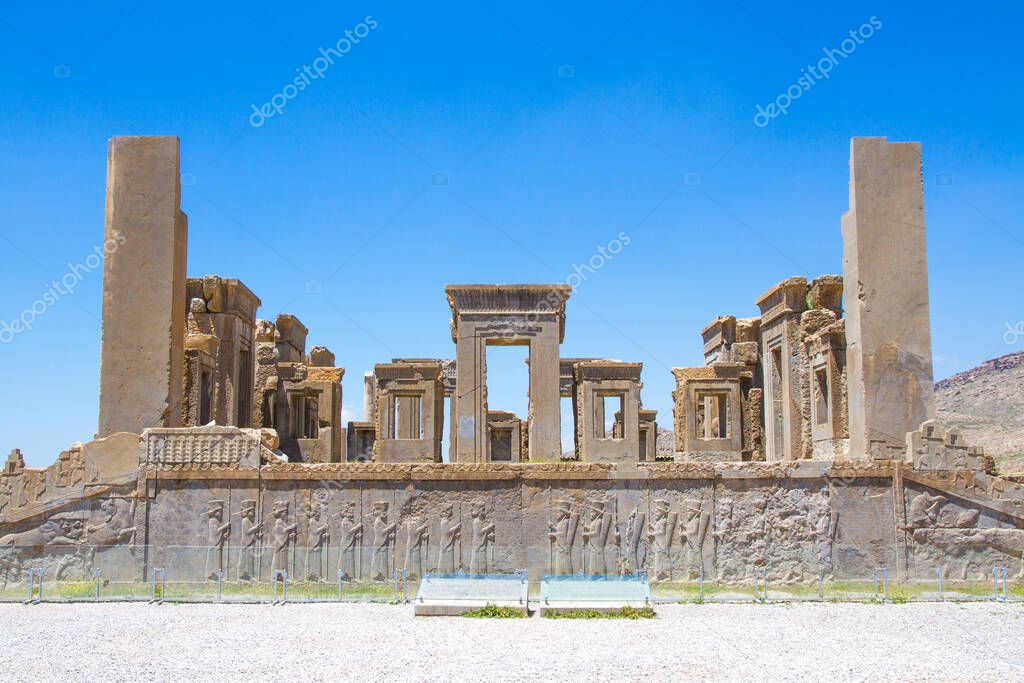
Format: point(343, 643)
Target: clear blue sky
point(545, 164)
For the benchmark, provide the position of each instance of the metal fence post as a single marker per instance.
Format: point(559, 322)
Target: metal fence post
point(405, 585)
point(96, 577)
point(700, 584)
point(282, 576)
point(882, 577)
point(162, 573)
point(340, 575)
point(220, 577)
point(939, 572)
point(821, 584)
point(761, 583)
point(33, 572)
point(997, 573)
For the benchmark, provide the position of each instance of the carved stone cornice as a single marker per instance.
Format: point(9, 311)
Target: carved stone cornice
point(507, 300)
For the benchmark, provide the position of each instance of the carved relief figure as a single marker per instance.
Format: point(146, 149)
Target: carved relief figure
point(636, 544)
point(73, 468)
point(417, 545)
point(217, 532)
point(37, 486)
point(319, 535)
point(115, 526)
point(60, 529)
point(383, 542)
point(483, 538)
point(598, 530)
point(751, 535)
point(694, 531)
point(5, 495)
point(562, 536)
point(19, 492)
point(251, 532)
point(825, 535)
point(11, 568)
point(18, 550)
point(450, 534)
point(349, 562)
point(659, 534)
point(924, 510)
point(283, 535)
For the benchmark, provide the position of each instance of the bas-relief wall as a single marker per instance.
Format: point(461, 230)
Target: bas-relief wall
point(368, 521)
point(675, 529)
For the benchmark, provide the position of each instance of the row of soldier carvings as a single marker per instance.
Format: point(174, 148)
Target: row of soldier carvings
point(362, 547)
point(672, 535)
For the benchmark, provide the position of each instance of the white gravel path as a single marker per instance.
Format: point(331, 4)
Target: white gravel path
point(186, 643)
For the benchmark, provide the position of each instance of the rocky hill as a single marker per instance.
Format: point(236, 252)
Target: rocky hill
point(987, 404)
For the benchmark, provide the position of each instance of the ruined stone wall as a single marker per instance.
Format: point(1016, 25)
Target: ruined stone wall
point(677, 521)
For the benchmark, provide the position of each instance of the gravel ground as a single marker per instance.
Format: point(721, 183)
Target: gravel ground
point(185, 643)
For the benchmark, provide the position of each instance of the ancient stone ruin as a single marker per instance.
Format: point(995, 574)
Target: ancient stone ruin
point(805, 446)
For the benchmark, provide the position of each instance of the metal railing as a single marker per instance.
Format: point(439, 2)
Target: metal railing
point(294, 574)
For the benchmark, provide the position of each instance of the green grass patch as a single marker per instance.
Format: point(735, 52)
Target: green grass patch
point(495, 612)
point(624, 613)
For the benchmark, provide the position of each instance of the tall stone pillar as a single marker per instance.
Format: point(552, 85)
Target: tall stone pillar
point(143, 335)
point(470, 402)
point(369, 397)
point(885, 282)
point(545, 439)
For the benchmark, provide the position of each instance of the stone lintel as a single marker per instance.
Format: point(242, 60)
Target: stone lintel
point(788, 296)
point(292, 332)
point(715, 371)
point(513, 300)
point(719, 332)
point(415, 372)
point(318, 374)
point(597, 370)
point(224, 295)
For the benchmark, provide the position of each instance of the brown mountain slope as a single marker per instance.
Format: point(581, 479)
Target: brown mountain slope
point(987, 404)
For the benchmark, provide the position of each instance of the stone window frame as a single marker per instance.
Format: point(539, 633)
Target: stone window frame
point(733, 442)
point(601, 431)
point(723, 399)
point(394, 400)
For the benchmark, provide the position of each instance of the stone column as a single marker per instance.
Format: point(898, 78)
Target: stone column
point(469, 402)
point(143, 332)
point(369, 398)
point(885, 280)
point(545, 410)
